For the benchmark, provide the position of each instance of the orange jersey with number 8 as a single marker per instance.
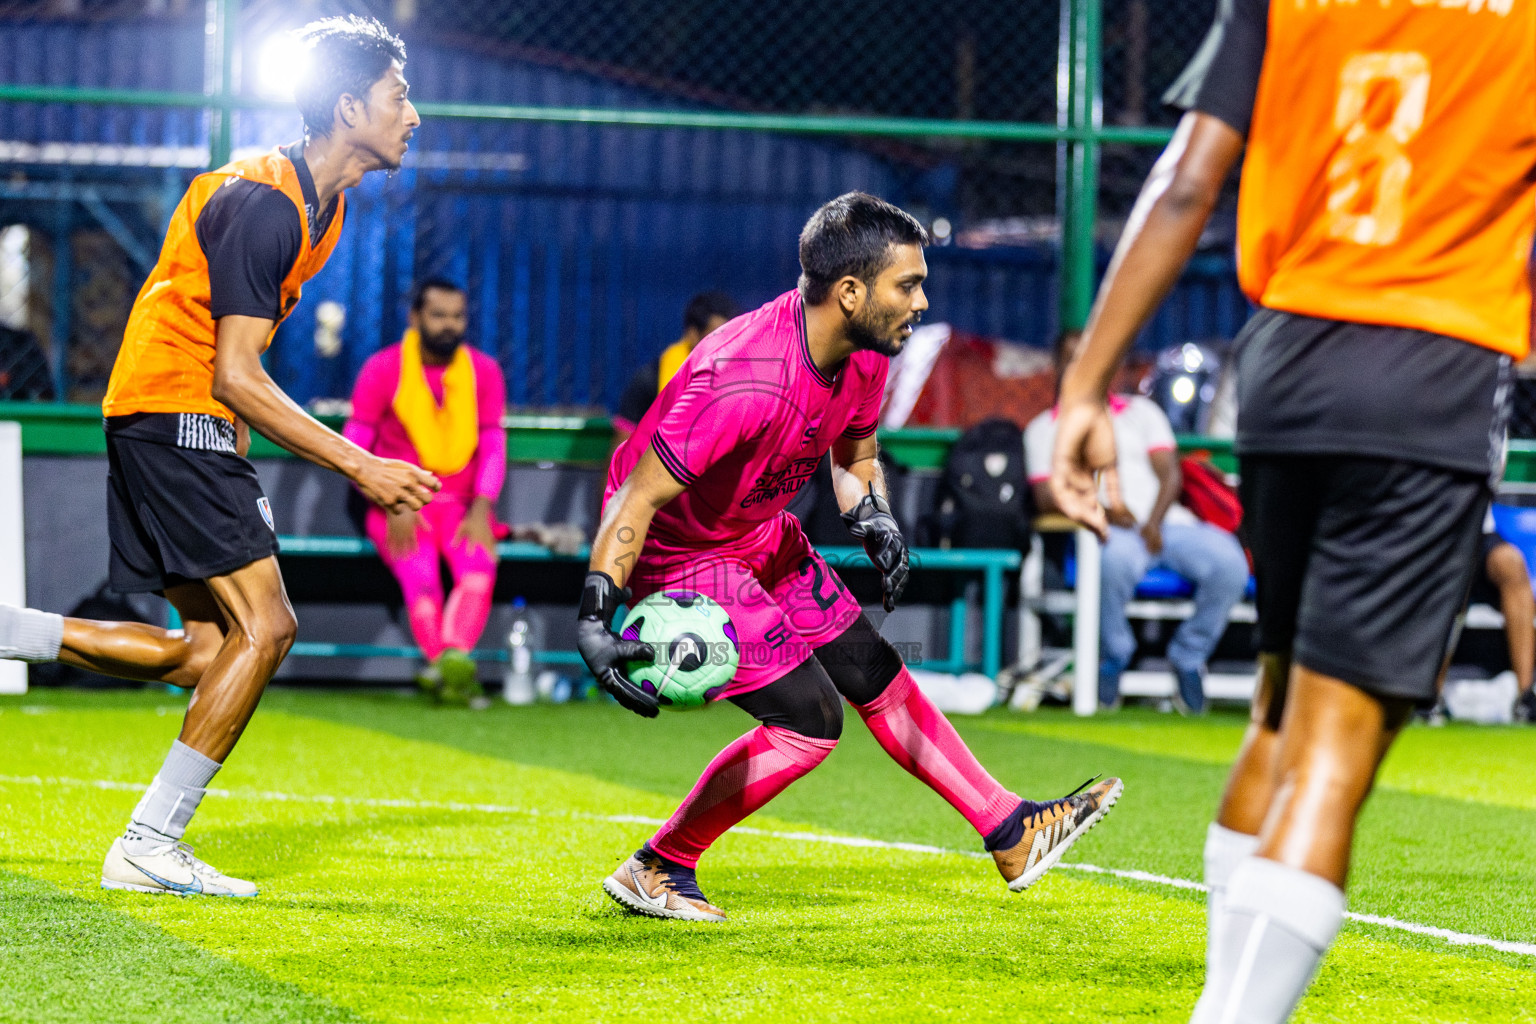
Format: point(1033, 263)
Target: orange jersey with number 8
point(1391, 167)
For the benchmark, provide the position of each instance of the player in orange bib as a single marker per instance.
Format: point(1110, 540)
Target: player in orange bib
point(186, 513)
point(1384, 229)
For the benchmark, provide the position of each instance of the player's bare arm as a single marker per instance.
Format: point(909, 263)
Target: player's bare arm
point(1159, 238)
point(242, 383)
point(627, 518)
point(859, 483)
point(615, 550)
point(855, 470)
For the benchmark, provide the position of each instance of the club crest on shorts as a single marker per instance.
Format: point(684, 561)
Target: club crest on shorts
point(265, 507)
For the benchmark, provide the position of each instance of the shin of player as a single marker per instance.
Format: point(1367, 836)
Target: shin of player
point(697, 500)
point(1371, 389)
point(186, 513)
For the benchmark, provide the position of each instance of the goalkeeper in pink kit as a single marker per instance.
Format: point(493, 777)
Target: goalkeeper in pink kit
point(696, 501)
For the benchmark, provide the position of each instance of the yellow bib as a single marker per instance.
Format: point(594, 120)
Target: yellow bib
point(671, 361)
point(445, 436)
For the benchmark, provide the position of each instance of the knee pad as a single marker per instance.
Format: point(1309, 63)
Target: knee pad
point(803, 701)
point(476, 581)
point(860, 662)
point(414, 589)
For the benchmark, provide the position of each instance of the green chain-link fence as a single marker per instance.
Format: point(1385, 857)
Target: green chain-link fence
point(1005, 123)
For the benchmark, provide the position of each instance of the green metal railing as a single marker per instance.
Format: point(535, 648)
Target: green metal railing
point(1079, 132)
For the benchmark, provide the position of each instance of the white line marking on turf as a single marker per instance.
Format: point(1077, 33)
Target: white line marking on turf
point(1455, 938)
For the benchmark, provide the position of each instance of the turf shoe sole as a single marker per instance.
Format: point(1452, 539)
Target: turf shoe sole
point(168, 870)
point(1052, 830)
point(641, 887)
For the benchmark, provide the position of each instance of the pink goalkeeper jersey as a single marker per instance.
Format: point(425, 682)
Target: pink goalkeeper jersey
point(744, 424)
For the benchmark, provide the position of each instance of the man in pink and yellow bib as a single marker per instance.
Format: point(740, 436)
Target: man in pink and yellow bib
point(436, 402)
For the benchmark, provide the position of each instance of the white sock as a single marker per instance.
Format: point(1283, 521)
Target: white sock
point(167, 806)
point(1277, 924)
point(27, 634)
point(1224, 850)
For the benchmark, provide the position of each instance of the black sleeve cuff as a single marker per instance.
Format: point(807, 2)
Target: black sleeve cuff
point(674, 465)
point(857, 433)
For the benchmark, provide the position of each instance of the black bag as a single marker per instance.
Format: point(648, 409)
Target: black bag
point(984, 496)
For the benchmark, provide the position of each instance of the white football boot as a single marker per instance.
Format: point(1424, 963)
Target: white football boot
point(168, 868)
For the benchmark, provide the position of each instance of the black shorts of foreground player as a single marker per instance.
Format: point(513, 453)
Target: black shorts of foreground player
point(696, 494)
point(186, 513)
point(1384, 227)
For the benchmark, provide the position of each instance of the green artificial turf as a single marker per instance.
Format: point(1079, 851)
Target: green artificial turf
point(378, 906)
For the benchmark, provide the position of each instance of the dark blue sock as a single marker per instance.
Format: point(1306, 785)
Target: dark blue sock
point(1008, 834)
point(685, 881)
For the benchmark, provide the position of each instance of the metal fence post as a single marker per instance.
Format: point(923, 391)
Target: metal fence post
point(1083, 74)
point(63, 297)
point(221, 19)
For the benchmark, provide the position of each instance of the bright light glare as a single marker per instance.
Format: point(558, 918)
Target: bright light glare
point(1183, 390)
point(941, 228)
point(282, 62)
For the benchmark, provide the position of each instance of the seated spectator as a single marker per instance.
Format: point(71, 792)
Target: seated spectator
point(1148, 529)
point(1502, 579)
point(704, 314)
point(436, 402)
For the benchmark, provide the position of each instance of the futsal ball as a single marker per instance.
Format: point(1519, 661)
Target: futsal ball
point(695, 644)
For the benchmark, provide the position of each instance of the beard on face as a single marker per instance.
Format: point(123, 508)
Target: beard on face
point(443, 343)
point(877, 328)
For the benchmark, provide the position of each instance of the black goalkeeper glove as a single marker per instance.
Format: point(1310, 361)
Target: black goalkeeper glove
point(872, 523)
point(604, 653)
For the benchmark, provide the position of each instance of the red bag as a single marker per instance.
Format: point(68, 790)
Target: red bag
point(1207, 494)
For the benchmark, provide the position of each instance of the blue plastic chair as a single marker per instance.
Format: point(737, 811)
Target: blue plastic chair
point(1518, 526)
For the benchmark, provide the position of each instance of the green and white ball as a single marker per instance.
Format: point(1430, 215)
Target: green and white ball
point(695, 643)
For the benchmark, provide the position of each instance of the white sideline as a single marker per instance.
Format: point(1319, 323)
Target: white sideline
point(1455, 938)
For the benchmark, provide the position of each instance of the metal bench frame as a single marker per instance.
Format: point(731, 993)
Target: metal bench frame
point(991, 564)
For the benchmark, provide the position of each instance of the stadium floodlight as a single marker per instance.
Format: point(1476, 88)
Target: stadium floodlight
point(1183, 390)
point(280, 63)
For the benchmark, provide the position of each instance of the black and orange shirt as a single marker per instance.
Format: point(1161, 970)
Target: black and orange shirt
point(1389, 185)
point(242, 242)
point(251, 239)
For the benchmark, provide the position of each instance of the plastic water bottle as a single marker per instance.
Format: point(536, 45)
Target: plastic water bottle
point(517, 684)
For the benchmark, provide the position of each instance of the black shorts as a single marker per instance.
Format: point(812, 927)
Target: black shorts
point(1363, 564)
point(1484, 591)
point(181, 514)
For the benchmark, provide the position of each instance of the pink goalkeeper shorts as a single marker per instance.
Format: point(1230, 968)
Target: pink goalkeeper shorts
point(782, 597)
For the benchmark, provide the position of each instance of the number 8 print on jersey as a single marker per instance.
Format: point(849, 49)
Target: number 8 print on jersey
point(1403, 231)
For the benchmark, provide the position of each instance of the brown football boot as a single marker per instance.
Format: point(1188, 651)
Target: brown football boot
point(646, 884)
point(1051, 829)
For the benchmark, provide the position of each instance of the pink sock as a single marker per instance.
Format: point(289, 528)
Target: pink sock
point(420, 585)
point(466, 611)
point(426, 614)
point(741, 779)
point(922, 741)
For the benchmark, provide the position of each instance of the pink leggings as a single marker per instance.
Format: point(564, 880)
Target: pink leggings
point(459, 622)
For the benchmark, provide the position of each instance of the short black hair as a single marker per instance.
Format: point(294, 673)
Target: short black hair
point(706, 306)
point(346, 54)
point(852, 236)
point(441, 284)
